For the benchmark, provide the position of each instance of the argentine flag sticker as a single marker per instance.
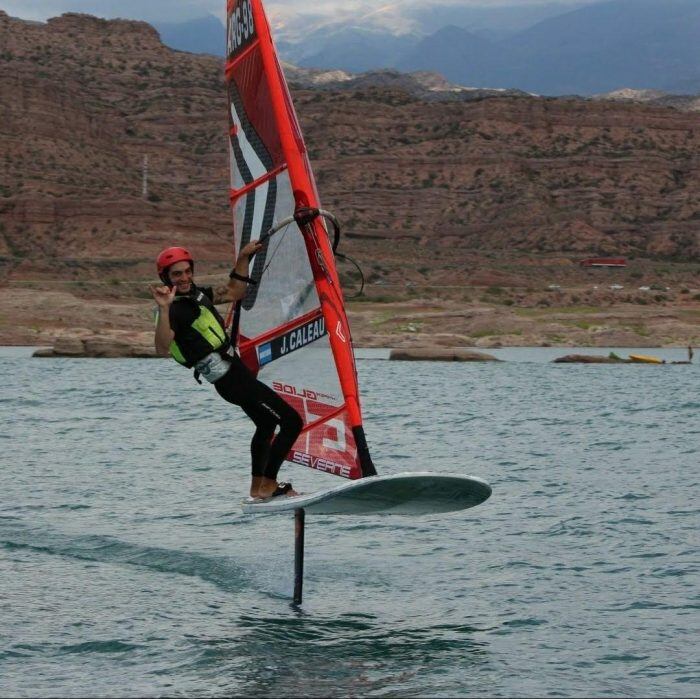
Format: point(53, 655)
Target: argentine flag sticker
point(264, 353)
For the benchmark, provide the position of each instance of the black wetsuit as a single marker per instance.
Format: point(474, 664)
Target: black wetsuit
point(258, 401)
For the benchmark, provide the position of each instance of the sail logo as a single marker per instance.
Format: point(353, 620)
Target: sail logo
point(264, 354)
point(326, 444)
point(291, 341)
point(294, 391)
point(303, 336)
point(320, 464)
point(241, 27)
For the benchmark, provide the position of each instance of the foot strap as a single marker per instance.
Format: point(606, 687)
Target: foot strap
point(281, 489)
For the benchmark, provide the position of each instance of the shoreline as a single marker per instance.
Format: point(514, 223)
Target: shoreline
point(667, 356)
point(47, 317)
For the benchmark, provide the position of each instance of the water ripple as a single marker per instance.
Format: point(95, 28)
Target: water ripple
point(129, 570)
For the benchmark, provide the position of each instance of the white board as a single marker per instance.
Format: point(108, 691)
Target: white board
point(399, 494)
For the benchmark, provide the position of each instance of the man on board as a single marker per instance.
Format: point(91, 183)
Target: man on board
point(191, 331)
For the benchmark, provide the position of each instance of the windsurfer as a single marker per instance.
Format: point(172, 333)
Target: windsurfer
point(190, 329)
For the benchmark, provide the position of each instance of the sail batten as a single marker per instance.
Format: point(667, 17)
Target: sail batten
point(292, 328)
point(237, 193)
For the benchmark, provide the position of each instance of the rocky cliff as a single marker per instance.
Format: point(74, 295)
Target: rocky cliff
point(84, 100)
point(474, 205)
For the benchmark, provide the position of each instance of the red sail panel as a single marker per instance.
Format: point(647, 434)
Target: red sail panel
point(293, 328)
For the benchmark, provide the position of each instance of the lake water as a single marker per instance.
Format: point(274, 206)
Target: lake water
point(127, 568)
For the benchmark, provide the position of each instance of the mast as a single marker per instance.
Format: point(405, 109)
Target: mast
point(305, 195)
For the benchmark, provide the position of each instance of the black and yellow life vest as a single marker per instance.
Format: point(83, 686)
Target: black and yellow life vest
point(206, 334)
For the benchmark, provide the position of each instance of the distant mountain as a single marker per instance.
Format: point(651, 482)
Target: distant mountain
point(415, 17)
point(423, 85)
point(602, 47)
point(351, 48)
point(203, 35)
point(360, 41)
point(592, 49)
point(488, 22)
point(685, 103)
point(373, 40)
point(460, 56)
point(687, 86)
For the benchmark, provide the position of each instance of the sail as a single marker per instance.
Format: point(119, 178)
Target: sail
point(291, 327)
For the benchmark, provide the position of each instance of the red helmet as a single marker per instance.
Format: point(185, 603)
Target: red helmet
point(170, 256)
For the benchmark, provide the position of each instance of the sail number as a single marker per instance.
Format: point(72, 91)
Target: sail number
point(241, 27)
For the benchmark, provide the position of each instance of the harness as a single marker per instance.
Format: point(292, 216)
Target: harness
point(206, 334)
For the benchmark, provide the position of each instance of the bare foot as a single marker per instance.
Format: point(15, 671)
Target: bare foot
point(255, 486)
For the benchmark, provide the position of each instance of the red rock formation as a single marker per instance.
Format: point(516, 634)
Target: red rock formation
point(428, 190)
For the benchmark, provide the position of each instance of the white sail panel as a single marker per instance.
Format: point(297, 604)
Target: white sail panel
point(290, 328)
